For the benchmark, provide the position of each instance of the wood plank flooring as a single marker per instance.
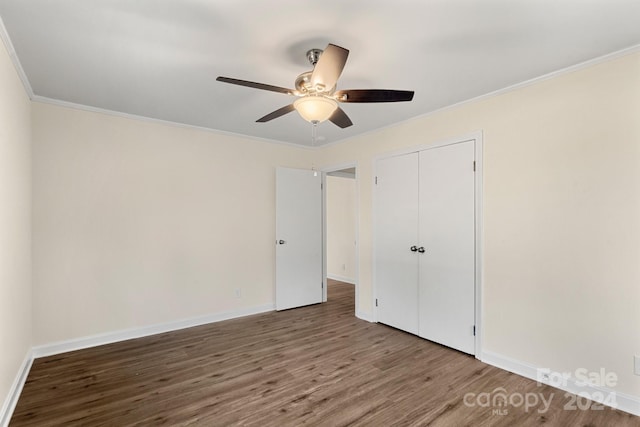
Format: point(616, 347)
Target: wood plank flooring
point(316, 365)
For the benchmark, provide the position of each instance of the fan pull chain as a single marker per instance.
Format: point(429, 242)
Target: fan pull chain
point(314, 132)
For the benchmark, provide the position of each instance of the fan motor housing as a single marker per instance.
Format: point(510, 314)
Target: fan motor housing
point(303, 81)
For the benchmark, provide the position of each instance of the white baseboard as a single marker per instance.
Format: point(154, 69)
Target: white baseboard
point(622, 401)
point(344, 279)
point(127, 334)
point(363, 316)
point(11, 400)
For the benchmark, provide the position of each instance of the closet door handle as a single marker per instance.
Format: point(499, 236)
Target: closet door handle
point(421, 250)
point(414, 248)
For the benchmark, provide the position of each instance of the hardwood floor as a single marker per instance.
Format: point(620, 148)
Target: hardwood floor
point(316, 365)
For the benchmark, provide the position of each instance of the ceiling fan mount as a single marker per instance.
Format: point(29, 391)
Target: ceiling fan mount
point(313, 55)
point(316, 90)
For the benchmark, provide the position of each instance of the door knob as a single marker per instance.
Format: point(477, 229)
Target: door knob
point(281, 242)
point(414, 248)
point(421, 249)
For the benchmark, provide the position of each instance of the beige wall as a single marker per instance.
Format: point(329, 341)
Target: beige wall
point(138, 223)
point(341, 228)
point(561, 215)
point(15, 224)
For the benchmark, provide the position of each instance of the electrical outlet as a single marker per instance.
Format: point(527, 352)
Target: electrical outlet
point(238, 293)
point(636, 365)
point(344, 267)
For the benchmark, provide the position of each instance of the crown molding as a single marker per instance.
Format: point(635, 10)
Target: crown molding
point(4, 35)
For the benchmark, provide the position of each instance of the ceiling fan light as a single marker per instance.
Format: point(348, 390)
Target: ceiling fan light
point(315, 108)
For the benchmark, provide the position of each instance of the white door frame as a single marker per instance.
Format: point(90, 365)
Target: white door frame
point(325, 171)
point(477, 137)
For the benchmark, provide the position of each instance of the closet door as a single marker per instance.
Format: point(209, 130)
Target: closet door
point(396, 227)
point(447, 233)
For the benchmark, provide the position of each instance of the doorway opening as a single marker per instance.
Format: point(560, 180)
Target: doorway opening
point(340, 235)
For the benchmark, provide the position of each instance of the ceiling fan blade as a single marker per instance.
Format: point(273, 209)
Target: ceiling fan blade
point(340, 118)
point(256, 85)
point(373, 95)
point(329, 67)
point(275, 114)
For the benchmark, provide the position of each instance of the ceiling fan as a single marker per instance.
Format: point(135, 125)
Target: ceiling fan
point(316, 90)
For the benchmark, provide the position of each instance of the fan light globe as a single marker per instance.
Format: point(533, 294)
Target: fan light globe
point(315, 108)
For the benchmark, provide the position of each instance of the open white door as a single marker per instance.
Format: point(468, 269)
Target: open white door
point(298, 238)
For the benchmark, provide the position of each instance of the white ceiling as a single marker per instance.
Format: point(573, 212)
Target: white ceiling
point(159, 58)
